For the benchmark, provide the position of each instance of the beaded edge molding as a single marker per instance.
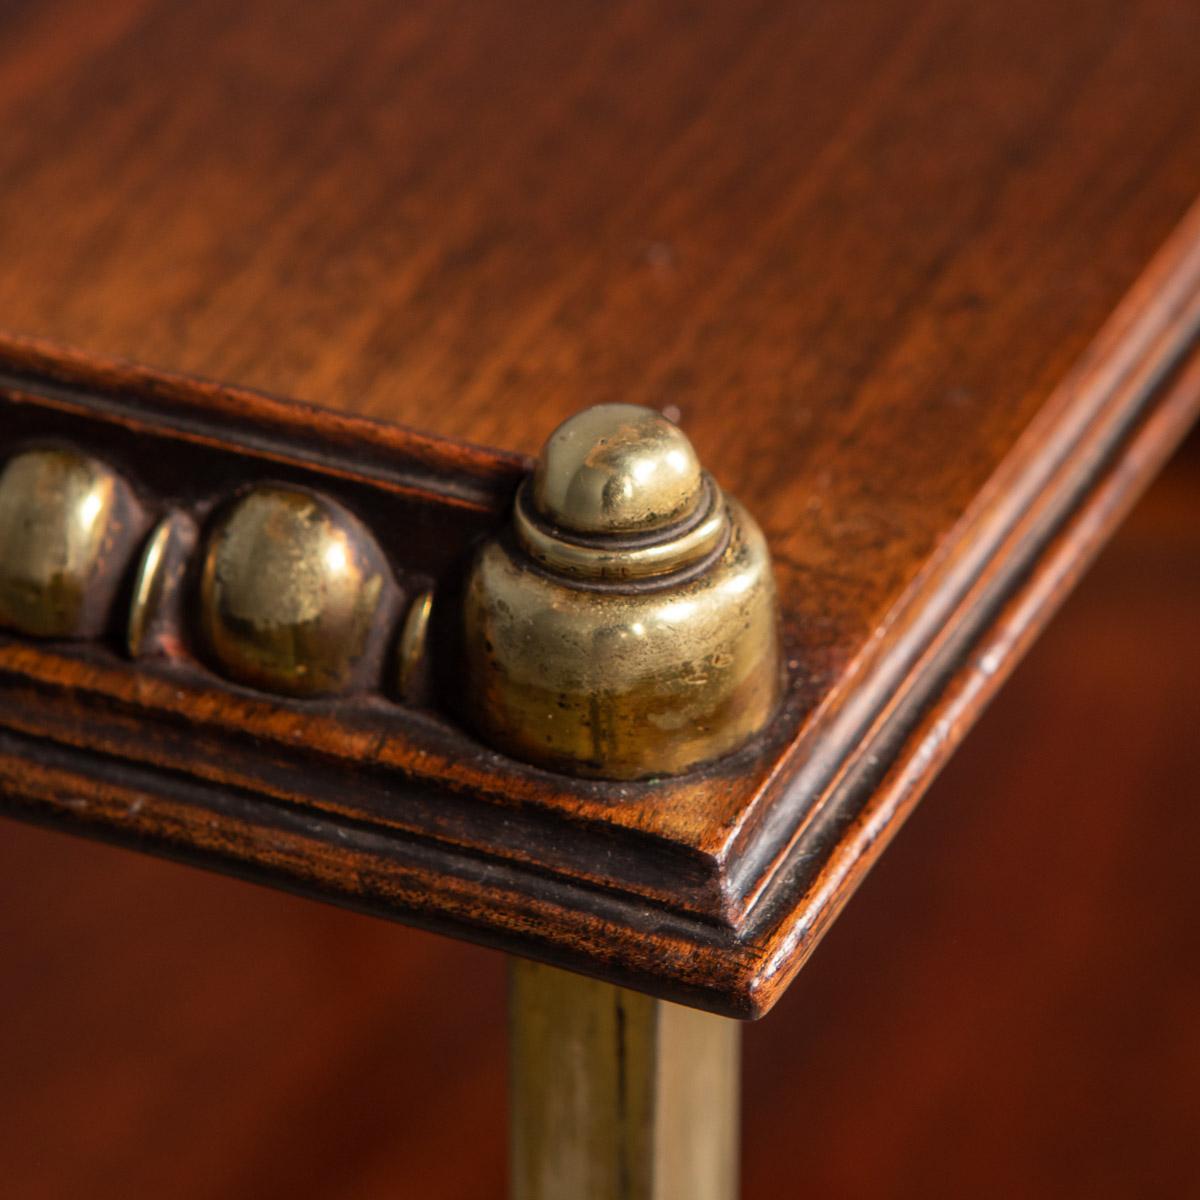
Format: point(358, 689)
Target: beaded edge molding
point(294, 595)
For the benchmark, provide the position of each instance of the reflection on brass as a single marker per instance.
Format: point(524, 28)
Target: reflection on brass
point(410, 653)
point(617, 469)
point(67, 522)
point(157, 584)
point(618, 1095)
point(624, 634)
point(295, 595)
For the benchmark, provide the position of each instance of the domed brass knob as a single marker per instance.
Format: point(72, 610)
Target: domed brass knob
point(617, 469)
point(629, 628)
point(68, 526)
point(295, 594)
point(618, 493)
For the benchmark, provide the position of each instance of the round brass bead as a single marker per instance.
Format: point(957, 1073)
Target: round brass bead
point(295, 595)
point(68, 524)
point(632, 654)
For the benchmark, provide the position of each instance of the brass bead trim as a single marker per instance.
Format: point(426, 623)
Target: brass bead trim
point(410, 656)
point(286, 591)
point(156, 611)
point(295, 595)
point(607, 558)
point(148, 587)
point(68, 524)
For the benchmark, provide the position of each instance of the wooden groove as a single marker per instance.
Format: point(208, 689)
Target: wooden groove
point(284, 433)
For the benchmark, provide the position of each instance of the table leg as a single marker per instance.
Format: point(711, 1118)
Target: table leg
point(618, 1096)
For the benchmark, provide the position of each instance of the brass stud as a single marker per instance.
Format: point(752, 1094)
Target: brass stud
point(295, 595)
point(629, 629)
point(68, 524)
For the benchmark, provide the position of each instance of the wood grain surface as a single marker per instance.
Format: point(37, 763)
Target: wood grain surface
point(880, 259)
point(1009, 1008)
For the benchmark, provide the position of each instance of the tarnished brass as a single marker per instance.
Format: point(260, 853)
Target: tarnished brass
point(616, 1095)
point(627, 628)
point(68, 524)
point(295, 595)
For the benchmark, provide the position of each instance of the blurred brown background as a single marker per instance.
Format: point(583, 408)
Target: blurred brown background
point(1010, 1007)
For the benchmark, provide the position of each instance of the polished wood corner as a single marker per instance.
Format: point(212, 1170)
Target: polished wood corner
point(710, 888)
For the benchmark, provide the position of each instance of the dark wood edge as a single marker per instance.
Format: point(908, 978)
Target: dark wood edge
point(1090, 413)
point(1098, 441)
point(963, 670)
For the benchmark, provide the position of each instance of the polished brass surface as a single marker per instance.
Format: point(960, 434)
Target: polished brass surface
point(616, 1095)
point(295, 596)
point(67, 523)
point(617, 469)
point(601, 665)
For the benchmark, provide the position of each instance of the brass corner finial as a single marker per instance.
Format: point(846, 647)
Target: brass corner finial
point(629, 628)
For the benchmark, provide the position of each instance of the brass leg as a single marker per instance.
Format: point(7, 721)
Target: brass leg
point(616, 1096)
